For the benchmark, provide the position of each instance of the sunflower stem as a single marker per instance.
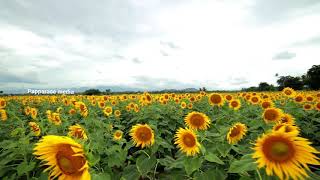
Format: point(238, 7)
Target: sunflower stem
point(146, 153)
point(258, 172)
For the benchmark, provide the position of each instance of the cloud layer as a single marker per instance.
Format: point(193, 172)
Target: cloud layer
point(155, 44)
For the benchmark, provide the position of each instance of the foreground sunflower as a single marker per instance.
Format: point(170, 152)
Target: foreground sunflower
point(285, 155)
point(107, 110)
point(272, 115)
point(64, 156)
point(77, 131)
point(197, 120)
point(142, 135)
point(236, 133)
point(187, 141)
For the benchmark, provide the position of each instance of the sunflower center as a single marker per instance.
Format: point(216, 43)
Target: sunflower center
point(299, 99)
point(288, 92)
point(216, 99)
point(271, 114)
point(234, 103)
point(67, 162)
point(189, 140)
point(81, 107)
point(235, 131)
point(2, 103)
point(265, 104)
point(197, 120)
point(78, 133)
point(278, 149)
point(144, 134)
point(255, 99)
point(318, 105)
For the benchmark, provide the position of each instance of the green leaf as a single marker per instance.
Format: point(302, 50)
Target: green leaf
point(93, 158)
point(213, 158)
point(212, 174)
point(145, 164)
point(130, 173)
point(25, 167)
point(246, 163)
point(102, 176)
point(192, 164)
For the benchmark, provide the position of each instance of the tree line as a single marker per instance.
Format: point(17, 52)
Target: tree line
point(308, 81)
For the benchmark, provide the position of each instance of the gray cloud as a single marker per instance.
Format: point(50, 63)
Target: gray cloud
point(163, 53)
point(273, 11)
point(169, 44)
point(7, 77)
point(136, 60)
point(285, 55)
point(309, 42)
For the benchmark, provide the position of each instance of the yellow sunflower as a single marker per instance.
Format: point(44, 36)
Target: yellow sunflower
point(183, 105)
point(3, 103)
point(267, 104)
point(317, 106)
point(216, 99)
point(72, 111)
point(187, 141)
point(64, 156)
point(289, 92)
point(3, 115)
point(287, 118)
point(107, 110)
point(272, 115)
point(307, 107)
point(77, 131)
point(117, 113)
point(142, 135)
point(35, 128)
point(27, 110)
point(197, 120)
point(34, 113)
point(299, 98)
point(255, 100)
point(236, 133)
point(55, 118)
point(235, 104)
point(284, 155)
point(117, 135)
point(287, 128)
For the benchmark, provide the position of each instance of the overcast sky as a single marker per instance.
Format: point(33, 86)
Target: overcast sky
point(219, 44)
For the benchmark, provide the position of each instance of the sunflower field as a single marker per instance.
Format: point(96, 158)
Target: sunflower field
point(202, 136)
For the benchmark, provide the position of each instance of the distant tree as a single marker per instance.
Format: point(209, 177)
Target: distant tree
point(312, 78)
point(290, 81)
point(1, 92)
point(263, 86)
point(108, 91)
point(204, 89)
point(92, 92)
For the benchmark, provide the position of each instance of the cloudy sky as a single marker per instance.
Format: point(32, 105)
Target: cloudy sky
point(156, 44)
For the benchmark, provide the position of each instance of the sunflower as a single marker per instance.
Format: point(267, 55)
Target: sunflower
point(197, 120)
point(284, 155)
point(287, 118)
point(317, 106)
point(3, 103)
point(101, 104)
point(34, 113)
point(183, 105)
point(267, 104)
point(309, 98)
point(142, 135)
point(299, 98)
point(216, 99)
point(190, 106)
point(289, 92)
point(235, 104)
point(27, 110)
point(117, 113)
point(107, 110)
point(272, 115)
point(255, 100)
point(307, 107)
point(64, 156)
point(72, 111)
point(3, 115)
point(35, 128)
point(236, 133)
point(55, 118)
point(228, 97)
point(187, 141)
point(78, 132)
point(83, 108)
point(117, 135)
point(287, 128)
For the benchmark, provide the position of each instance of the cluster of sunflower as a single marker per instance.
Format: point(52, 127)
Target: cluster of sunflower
point(3, 113)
